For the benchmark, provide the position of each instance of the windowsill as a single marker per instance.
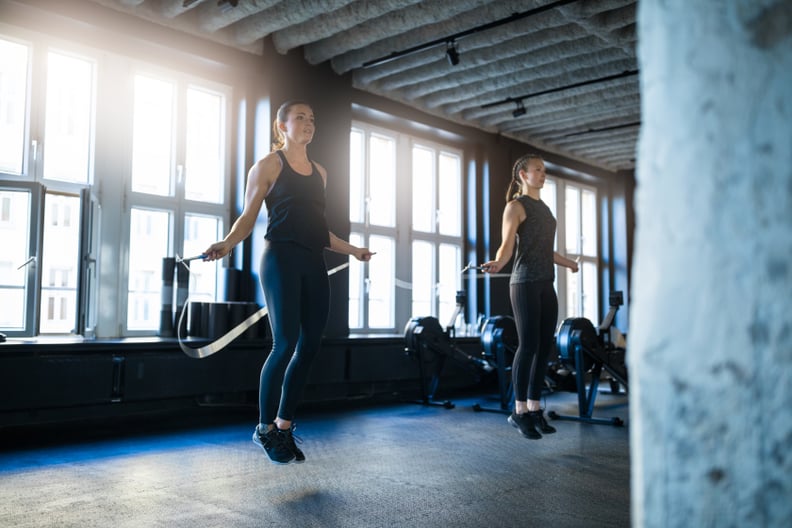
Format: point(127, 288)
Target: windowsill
point(121, 342)
point(70, 341)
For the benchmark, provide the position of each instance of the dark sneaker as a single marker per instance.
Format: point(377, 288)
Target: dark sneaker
point(526, 424)
point(292, 440)
point(541, 423)
point(274, 443)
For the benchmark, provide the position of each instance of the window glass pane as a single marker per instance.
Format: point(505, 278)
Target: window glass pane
point(152, 136)
point(197, 230)
point(356, 285)
point(148, 245)
point(589, 222)
point(13, 102)
point(382, 181)
point(205, 146)
point(357, 202)
point(588, 272)
point(60, 263)
point(450, 195)
point(423, 186)
point(548, 196)
point(573, 308)
point(15, 234)
point(423, 284)
point(449, 280)
point(380, 295)
point(572, 214)
point(67, 131)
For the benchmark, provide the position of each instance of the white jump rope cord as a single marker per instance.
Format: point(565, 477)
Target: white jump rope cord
point(224, 340)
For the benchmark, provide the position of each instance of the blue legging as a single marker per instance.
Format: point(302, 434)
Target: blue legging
point(535, 307)
point(297, 293)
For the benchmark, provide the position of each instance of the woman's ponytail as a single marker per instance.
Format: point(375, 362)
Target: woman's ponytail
point(278, 140)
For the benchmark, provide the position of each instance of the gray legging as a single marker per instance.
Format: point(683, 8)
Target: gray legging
point(535, 307)
point(297, 293)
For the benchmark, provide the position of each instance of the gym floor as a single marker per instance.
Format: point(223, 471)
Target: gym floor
point(368, 465)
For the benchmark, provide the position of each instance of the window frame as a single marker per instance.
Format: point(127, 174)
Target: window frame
point(563, 274)
point(33, 267)
point(403, 233)
point(175, 203)
point(33, 163)
point(103, 274)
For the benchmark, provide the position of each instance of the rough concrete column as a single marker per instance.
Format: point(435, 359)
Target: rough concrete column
point(710, 347)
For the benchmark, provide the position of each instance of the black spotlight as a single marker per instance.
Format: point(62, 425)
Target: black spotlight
point(520, 110)
point(452, 54)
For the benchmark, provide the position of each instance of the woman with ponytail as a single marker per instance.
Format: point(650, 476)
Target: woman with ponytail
point(292, 271)
point(528, 233)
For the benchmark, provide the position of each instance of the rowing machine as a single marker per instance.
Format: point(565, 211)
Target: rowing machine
point(499, 341)
point(430, 344)
point(585, 349)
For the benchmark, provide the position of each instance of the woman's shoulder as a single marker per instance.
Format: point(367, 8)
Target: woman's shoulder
point(270, 161)
point(516, 208)
point(267, 168)
point(320, 168)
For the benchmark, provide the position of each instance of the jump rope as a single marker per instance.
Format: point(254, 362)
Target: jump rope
point(224, 340)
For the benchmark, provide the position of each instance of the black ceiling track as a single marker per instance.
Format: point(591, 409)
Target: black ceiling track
point(519, 99)
point(596, 130)
point(451, 38)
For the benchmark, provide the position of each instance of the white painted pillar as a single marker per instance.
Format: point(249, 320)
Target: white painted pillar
point(710, 347)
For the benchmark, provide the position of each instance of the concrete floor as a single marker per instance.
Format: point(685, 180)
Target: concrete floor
point(383, 465)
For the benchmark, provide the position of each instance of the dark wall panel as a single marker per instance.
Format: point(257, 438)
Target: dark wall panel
point(55, 381)
point(50, 382)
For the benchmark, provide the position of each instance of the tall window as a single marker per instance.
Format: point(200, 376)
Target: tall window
point(436, 230)
point(580, 204)
point(373, 216)
point(406, 205)
point(178, 187)
point(53, 149)
point(575, 208)
point(164, 185)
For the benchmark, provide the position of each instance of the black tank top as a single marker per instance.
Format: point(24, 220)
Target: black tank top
point(535, 239)
point(296, 208)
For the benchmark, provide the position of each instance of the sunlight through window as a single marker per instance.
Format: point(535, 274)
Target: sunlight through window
point(205, 146)
point(152, 140)
point(15, 232)
point(67, 134)
point(148, 243)
point(13, 94)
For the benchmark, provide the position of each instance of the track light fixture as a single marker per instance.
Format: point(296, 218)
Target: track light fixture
point(452, 54)
point(519, 100)
point(520, 110)
point(451, 38)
